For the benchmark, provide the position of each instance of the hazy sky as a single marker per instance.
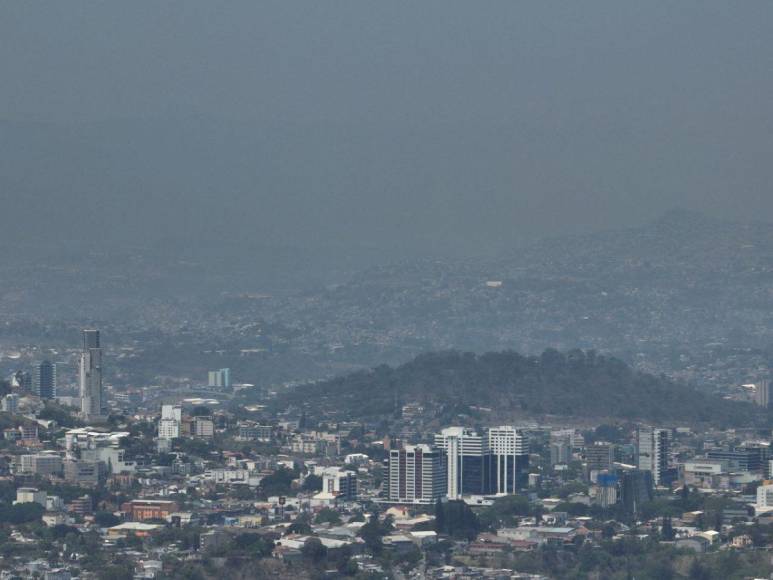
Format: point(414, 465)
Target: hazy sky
point(422, 126)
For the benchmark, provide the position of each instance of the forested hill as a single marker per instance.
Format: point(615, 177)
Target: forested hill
point(576, 383)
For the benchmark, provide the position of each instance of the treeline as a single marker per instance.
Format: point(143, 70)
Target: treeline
point(575, 383)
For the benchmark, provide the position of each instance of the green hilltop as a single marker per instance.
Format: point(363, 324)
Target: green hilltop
point(575, 383)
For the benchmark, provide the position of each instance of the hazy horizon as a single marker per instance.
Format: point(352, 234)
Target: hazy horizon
point(359, 131)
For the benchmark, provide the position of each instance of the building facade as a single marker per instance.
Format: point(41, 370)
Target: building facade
point(93, 404)
point(45, 380)
point(416, 474)
point(652, 452)
point(494, 463)
point(220, 378)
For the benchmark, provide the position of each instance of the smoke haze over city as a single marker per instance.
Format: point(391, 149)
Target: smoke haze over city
point(362, 131)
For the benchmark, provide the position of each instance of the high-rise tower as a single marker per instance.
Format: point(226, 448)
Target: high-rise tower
point(93, 405)
point(45, 380)
point(652, 451)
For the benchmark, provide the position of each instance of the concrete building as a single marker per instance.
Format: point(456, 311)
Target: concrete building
point(169, 426)
point(203, 427)
point(560, 453)
point(748, 457)
point(30, 495)
point(220, 378)
point(93, 403)
point(764, 499)
point(704, 473)
point(11, 403)
point(82, 472)
point(43, 464)
point(762, 393)
point(339, 482)
point(416, 474)
point(599, 457)
point(652, 451)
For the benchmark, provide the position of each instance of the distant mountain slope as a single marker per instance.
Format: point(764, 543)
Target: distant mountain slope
point(686, 294)
point(576, 383)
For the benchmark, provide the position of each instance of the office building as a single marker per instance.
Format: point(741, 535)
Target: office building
point(748, 457)
point(494, 463)
point(762, 393)
point(467, 461)
point(43, 464)
point(341, 483)
point(220, 378)
point(636, 489)
point(170, 422)
point(81, 472)
point(416, 474)
point(605, 490)
point(509, 449)
point(560, 453)
point(45, 380)
point(599, 456)
point(93, 404)
point(203, 427)
point(652, 452)
point(11, 403)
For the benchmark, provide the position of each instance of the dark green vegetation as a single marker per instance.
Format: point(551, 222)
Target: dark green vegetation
point(630, 557)
point(576, 383)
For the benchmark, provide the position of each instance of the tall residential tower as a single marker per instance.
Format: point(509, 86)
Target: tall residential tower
point(652, 451)
point(93, 403)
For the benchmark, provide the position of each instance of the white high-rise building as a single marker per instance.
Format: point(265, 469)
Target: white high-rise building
point(170, 422)
point(462, 444)
point(509, 448)
point(653, 448)
point(93, 403)
point(764, 499)
point(494, 463)
point(417, 474)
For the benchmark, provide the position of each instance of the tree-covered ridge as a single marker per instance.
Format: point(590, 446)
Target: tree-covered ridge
point(576, 383)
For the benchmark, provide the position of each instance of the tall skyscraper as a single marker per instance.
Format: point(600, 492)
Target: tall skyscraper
point(652, 451)
point(467, 461)
point(762, 394)
point(45, 380)
point(416, 474)
point(509, 449)
point(93, 404)
point(494, 463)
